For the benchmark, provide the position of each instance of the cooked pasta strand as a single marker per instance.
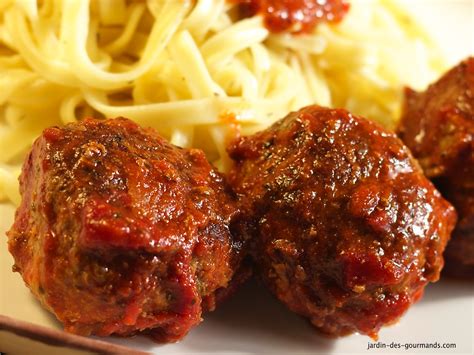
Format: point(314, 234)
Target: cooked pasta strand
point(186, 67)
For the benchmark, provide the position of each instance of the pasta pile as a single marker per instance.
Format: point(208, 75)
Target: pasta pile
point(194, 70)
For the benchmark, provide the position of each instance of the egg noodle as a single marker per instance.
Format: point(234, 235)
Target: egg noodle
point(193, 70)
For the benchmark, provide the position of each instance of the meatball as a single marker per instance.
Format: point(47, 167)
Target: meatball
point(119, 231)
point(346, 229)
point(438, 126)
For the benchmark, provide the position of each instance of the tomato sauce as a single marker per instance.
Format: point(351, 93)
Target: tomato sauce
point(295, 16)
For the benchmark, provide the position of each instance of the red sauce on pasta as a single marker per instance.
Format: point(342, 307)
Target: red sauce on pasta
point(296, 16)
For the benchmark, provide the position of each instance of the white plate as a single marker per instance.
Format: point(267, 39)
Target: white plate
point(253, 322)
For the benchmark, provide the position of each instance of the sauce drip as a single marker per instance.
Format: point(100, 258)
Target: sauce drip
point(295, 16)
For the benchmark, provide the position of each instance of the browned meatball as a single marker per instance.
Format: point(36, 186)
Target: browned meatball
point(438, 126)
point(347, 229)
point(120, 231)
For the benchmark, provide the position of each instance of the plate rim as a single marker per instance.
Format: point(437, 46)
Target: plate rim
point(56, 337)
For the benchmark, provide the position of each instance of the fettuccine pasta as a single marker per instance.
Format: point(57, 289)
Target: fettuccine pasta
point(194, 70)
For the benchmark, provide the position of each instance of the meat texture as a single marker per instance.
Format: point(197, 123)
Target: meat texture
point(438, 126)
point(119, 231)
point(347, 230)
